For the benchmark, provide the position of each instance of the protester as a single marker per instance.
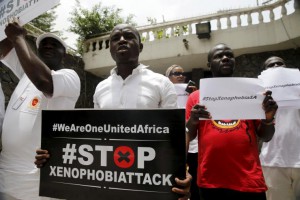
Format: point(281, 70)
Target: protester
point(228, 166)
point(44, 84)
point(2, 112)
point(177, 76)
point(280, 158)
point(131, 85)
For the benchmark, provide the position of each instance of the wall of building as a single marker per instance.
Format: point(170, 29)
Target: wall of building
point(248, 65)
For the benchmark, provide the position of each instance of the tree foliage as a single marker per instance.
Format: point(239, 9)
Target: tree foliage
point(45, 21)
point(88, 23)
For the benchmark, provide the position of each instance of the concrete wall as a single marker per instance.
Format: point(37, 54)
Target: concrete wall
point(247, 65)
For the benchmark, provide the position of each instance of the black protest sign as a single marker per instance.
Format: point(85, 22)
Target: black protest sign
point(113, 154)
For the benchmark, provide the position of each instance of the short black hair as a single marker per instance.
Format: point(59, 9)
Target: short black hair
point(209, 55)
point(133, 28)
point(266, 63)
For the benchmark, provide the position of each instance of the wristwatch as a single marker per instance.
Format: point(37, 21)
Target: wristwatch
point(187, 130)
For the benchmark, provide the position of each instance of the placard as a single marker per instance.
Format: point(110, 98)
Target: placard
point(22, 9)
point(113, 154)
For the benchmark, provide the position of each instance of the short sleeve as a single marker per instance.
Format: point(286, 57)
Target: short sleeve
point(169, 96)
point(11, 60)
point(66, 83)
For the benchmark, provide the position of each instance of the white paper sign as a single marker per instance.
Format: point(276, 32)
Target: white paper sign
point(182, 95)
point(233, 98)
point(295, 104)
point(26, 10)
point(283, 82)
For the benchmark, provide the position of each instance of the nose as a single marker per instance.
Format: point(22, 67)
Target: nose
point(225, 59)
point(122, 38)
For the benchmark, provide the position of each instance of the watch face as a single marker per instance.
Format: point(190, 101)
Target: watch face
point(186, 129)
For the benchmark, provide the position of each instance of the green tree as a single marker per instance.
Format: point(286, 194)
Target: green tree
point(99, 20)
point(42, 23)
point(45, 21)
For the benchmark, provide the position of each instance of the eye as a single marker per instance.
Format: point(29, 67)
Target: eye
point(229, 55)
point(279, 63)
point(129, 36)
point(114, 38)
point(218, 56)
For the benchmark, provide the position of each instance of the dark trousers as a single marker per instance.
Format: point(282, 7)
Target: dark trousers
point(226, 194)
point(192, 161)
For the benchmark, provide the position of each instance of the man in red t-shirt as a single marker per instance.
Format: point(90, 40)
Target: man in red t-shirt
point(228, 162)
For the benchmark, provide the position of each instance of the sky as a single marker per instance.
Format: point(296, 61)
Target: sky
point(162, 10)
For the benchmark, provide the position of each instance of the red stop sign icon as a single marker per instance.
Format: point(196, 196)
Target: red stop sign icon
point(124, 157)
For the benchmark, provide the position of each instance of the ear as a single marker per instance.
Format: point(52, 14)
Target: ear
point(208, 65)
point(141, 47)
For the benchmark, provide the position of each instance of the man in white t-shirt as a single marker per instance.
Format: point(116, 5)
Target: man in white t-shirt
point(2, 112)
point(131, 85)
point(280, 158)
point(44, 84)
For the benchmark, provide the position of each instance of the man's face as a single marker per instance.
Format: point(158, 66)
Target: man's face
point(274, 62)
point(125, 45)
point(51, 52)
point(222, 61)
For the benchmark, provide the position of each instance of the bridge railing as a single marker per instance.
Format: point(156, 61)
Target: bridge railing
point(220, 20)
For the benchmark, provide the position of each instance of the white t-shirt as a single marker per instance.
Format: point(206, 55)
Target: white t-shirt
point(142, 89)
point(182, 97)
point(2, 108)
point(283, 150)
point(21, 134)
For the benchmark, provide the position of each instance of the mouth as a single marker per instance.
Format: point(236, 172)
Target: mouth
point(123, 48)
point(48, 54)
point(226, 66)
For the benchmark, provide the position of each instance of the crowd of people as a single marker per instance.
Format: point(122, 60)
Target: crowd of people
point(222, 162)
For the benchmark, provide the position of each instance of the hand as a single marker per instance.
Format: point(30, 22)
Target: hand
point(41, 158)
point(270, 106)
point(185, 187)
point(199, 111)
point(14, 30)
point(192, 88)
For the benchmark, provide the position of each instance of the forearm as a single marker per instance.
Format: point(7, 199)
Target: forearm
point(266, 131)
point(5, 47)
point(35, 69)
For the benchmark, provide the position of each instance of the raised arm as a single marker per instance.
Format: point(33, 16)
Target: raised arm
point(5, 47)
point(36, 70)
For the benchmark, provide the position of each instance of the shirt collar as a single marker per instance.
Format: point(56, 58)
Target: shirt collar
point(135, 70)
